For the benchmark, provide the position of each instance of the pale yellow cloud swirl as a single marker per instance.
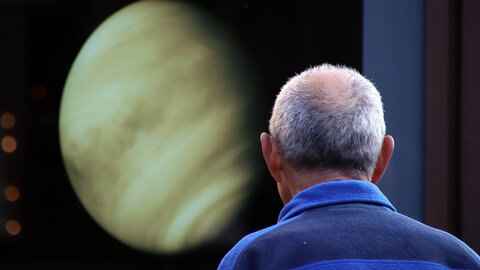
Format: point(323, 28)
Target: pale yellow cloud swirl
point(153, 127)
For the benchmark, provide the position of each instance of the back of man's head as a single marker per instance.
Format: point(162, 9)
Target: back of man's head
point(329, 117)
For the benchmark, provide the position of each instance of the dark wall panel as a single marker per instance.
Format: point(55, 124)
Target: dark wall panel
point(441, 115)
point(470, 123)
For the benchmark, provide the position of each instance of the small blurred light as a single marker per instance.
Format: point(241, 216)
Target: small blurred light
point(11, 193)
point(7, 120)
point(38, 92)
point(13, 227)
point(9, 144)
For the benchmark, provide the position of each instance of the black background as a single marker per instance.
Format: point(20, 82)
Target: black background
point(39, 41)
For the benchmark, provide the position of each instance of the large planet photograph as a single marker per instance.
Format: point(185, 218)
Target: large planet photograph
point(154, 126)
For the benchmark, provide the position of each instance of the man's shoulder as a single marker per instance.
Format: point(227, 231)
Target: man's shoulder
point(318, 235)
point(232, 256)
point(440, 243)
point(247, 245)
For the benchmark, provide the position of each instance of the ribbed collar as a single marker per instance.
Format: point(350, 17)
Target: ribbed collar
point(335, 192)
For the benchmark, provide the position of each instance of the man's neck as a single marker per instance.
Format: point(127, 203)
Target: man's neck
point(298, 181)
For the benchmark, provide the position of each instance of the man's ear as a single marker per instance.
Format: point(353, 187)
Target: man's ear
point(272, 157)
point(383, 158)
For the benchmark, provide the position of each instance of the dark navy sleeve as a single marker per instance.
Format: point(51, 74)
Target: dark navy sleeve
point(230, 260)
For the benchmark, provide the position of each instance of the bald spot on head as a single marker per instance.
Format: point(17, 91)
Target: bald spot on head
point(333, 82)
point(329, 87)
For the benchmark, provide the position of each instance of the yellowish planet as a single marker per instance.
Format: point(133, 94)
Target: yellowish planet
point(155, 126)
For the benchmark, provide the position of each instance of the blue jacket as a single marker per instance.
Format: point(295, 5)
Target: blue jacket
point(348, 224)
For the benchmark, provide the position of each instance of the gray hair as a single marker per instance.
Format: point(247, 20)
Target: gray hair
point(317, 130)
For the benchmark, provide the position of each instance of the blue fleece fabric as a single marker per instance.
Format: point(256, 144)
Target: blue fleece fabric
point(347, 224)
point(372, 265)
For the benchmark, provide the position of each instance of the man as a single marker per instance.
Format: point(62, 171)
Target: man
point(326, 151)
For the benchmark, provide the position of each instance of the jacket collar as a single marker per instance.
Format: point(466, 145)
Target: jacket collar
point(335, 192)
